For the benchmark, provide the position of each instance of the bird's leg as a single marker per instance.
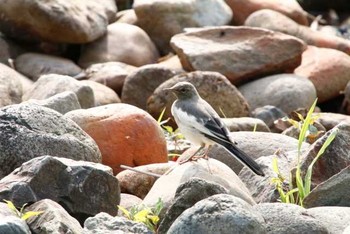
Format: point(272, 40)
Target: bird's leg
point(204, 155)
point(193, 157)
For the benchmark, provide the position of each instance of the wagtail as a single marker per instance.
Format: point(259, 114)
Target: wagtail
point(201, 125)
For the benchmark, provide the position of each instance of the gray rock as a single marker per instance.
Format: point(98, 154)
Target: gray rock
point(333, 192)
point(88, 20)
point(347, 230)
point(289, 218)
point(61, 102)
point(269, 114)
point(29, 131)
point(33, 65)
point(178, 15)
point(255, 144)
point(8, 49)
point(245, 124)
point(103, 95)
point(123, 43)
point(328, 165)
point(140, 84)
point(215, 88)
point(54, 219)
point(239, 53)
point(212, 171)
point(49, 85)
point(111, 74)
point(103, 223)
point(82, 188)
point(187, 194)
point(335, 218)
point(219, 214)
point(285, 91)
point(10, 86)
point(128, 201)
point(330, 120)
point(13, 225)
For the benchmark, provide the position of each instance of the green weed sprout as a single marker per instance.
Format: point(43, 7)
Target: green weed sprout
point(143, 214)
point(20, 213)
point(303, 186)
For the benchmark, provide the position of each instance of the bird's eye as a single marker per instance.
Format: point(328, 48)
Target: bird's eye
point(182, 90)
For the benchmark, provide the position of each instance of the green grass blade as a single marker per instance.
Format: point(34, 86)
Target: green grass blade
point(308, 175)
point(305, 127)
point(161, 116)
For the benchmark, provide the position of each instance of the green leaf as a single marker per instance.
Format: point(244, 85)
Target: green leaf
point(169, 129)
point(141, 216)
point(125, 212)
point(29, 214)
point(161, 116)
point(325, 145)
point(12, 207)
point(300, 185)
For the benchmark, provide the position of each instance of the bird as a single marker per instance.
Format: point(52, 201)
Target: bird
point(201, 125)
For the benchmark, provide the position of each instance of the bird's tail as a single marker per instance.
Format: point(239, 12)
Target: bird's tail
point(245, 159)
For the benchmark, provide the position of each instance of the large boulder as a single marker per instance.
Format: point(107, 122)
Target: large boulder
point(10, 86)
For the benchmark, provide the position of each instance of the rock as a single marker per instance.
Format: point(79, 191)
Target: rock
point(332, 192)
point(335, 158)
point(82, 188)
point(278, 22)
point(318, 64)
point(187, 194)
point(287, 92)
point(126, 135)
point(269, 114)
point(103, 223)
point(87, 20)
point(242, 9)
point(103, 95)
point(48, 85)
point(171, 62)
point(127, 16)
point(212, 171)
point(127, 201)
point(334, 218)
point(123, 43)
point(240, 53)
point(61, 102)
point(111, 74)
point(110, 9)
point(219, 214)
point(9, 49)
point(53, 219)
point(330, 120)
point(289, 218)
point(10, 86)
point(261, 188)
point(212, 86)
point(245, 124)
point(178, 14)
point(29, 131)
point(140, 84)
point(13, 225)
point(33, 65)
point(140, 184)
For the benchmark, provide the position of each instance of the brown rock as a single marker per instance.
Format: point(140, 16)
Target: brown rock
point(328, 70)
point(8, 50)
point(176, 15)
point(103, 95)
point(280, 23)
point(140, 184)
point(127, 16)
point(33, 65)
point(111, 74)
point(330, 120)
point(10, 86)
point(56, 21)
point(123, 43)
point(125, 134)
point(239, 53)
point(172, 62)
point(212, 86)
point(128, 201)
point(245, 124)
point(243, 8)
point(140, 84)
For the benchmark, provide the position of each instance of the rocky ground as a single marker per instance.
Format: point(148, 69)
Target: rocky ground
point(82, 87)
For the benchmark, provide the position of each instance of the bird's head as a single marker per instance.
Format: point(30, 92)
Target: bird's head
point(184, 90)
